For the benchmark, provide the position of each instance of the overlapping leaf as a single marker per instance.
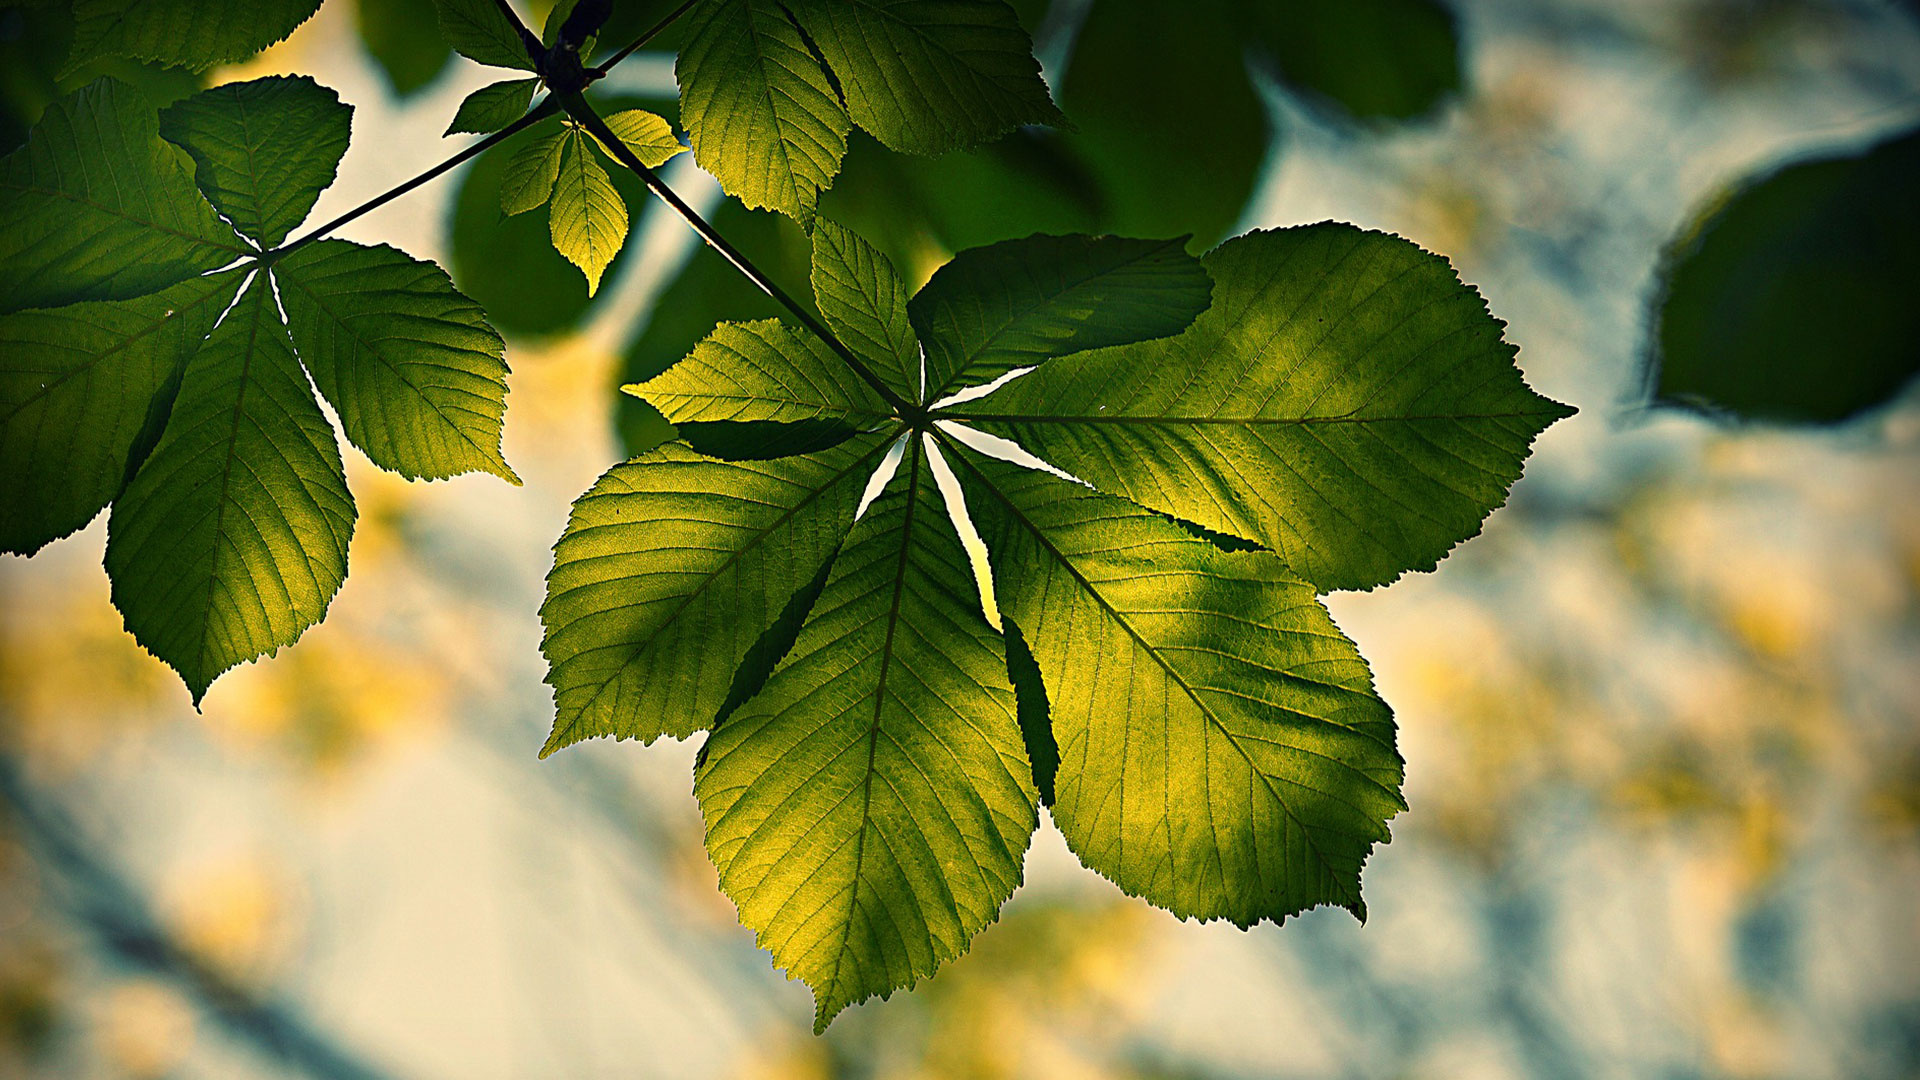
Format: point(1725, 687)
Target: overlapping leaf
point(588, 219)
point(1206, 736)
point(493, 106)
point(770, 118)
point(869, 810)
point(96, 207)
point(1346, 402)
point(231, 516)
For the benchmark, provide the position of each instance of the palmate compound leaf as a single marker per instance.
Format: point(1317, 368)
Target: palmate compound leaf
point(1207, 737)
point(770, 119)
point(1346, 402)
point(96, 207)
point(229, 538)
point(1221, 750)
point(870, 809)
point(232, 538)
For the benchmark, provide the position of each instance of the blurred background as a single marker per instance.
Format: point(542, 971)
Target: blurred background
point(1660, 718)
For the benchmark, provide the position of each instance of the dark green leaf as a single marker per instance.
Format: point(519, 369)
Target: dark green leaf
point(1175, 134)
point(926, 78)
point(411, 366)
point(763, 116)
point(262, 150)
point(186, 33)
point(77, 384)
point(479, 32)
point(1794, 300)
point(404, 39)
point(672, 566)
point(1222, 751)
point(1036, 716)
point(1378, 59)
point(1018, 303)
point(97, 207)
point(870, 809)
point(232, 538)
point(493, 107)
point(1346, 402)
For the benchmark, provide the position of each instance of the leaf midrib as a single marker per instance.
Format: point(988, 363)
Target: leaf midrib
point(816, 493)
point(879, 708)
point(1192, 695)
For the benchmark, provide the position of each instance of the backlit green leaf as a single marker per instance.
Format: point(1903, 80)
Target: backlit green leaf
point(1346, 402)
point(928, 77)
point(493, 107)
point(262, 150)
point(479, 32)
point(411, 366)
point(97, 207)
point(870, 809)
point(761, 112)
point(761, 371)
point(671, 567)
point(589, 219)
point(1018, 303)
point(232, 539)
point(865, 303)
point(186, 33)
point(649, 136)
point(1222, 753)
point(531, 172)
point(78, 386)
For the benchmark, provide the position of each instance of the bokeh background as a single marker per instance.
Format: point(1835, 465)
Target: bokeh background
point(1660, 718)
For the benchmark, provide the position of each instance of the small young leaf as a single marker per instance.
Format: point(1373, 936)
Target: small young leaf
point(77, 385)
point(1015, 304)
point(926, 78)
point(1242, 774)
point(649, 137)
point(479, 32)
point(411, 366)
point(97, 207)
point(190, 33)
point(493, 107)
point(530, 174)
point(589, 219)
point(1307, 410)
point(262, 150)
point(672, 565)
point(870, 809)
point(232, 538)
point(763, 116)
point(865, 303)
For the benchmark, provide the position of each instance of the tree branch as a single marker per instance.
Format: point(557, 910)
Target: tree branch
point(583, 114)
